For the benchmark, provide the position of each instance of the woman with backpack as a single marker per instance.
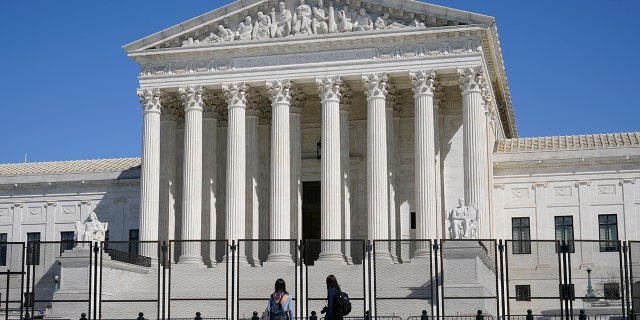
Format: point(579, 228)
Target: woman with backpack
point(333, 288)
point(279, 306)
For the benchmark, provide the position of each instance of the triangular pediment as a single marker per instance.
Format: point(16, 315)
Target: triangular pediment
point(258, 20)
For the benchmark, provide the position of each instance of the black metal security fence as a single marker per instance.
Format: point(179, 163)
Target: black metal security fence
point(385, 279)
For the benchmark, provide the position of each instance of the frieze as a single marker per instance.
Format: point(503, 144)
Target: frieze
point(464, 46)
point(606, 189)
point(562, 192)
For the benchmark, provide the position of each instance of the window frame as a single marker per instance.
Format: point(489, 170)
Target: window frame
point(563, 228)
point(521, 243)
point(523, 288)
point(608, 233)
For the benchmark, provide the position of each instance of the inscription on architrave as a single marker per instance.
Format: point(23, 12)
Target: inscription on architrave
point(305, 58)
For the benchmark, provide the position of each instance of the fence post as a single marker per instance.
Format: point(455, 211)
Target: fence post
point(233, 281)
point(436, 290)
point(370, 295)
point(502, 280)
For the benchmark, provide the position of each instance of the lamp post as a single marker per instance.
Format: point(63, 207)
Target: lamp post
point(590, 293)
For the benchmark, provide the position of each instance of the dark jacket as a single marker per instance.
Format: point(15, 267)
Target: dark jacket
point(332, 299)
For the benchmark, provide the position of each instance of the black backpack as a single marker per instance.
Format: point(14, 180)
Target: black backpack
point(276, 312)
point(343, 307)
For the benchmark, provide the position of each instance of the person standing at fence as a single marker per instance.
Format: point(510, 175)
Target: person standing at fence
point(583, 315)
point(529, 315)
point(479, 316)
point(279, 306)
point(332, 296)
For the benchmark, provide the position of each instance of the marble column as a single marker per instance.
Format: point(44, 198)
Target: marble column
point(392, 101)
point(375, 86)
point(172, 110)
point(346, 95)
point(280, 215)
point(209, 175)
point(425, 159)
point(254, 100)
point(150, 175)
point(475, 144)
point(295, 135)
point(192, 175)
point(236, 162)
point(330, 194)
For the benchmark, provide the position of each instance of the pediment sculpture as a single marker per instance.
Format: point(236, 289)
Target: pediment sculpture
point(92, 230)
point(304, 19)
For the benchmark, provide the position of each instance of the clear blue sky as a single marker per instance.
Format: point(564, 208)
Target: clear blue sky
point(68, 90)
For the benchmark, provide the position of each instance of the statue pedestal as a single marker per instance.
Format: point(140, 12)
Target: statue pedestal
point(469, 272)
point(75, 270)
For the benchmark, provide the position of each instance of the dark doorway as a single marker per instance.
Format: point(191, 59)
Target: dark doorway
point(311, 220)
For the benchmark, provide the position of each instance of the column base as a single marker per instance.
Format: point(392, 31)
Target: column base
point(190, 260)
point(331, 256)
point(279, 258)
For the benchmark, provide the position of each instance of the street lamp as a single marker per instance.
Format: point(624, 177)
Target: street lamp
point(590, 293)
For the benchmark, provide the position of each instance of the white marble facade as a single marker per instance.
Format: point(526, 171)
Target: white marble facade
point(410, 104)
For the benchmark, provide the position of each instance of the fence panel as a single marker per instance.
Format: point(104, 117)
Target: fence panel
point(596, 276)
point(259, 263)
point(11, 279)
point(346, 259)
point(198, 282)
point(533, 276)
point(634, 277)
point(403, 283)
point(129, 279)
point(57, 278)
point(469, 277)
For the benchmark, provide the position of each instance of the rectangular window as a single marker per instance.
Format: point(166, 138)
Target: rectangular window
point(564, 232)
point(33, 248)
point(133, 241)
point(413, 221)
point(608, 227)
point(66, 241)
point(521, 235)
point(3, 249)
point(611, 291)
point(523, 292)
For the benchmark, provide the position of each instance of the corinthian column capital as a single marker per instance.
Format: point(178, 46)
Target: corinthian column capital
point(471, 78)
point(375, 85)
point(329, 88)
point(346, 96)
point(235, 94)
point(279, 91)
point(192, 97)
point(151, 99)
point(423, 82)
point(297, 100)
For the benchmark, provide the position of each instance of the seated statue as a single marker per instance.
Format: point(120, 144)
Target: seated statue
point(92, 230)
point(462, 221)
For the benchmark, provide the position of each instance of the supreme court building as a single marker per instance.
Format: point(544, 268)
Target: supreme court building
point(331, 120)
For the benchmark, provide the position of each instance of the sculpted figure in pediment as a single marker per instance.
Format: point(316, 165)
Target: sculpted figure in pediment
point(363, 21)
point(224, 35)
point(245, 29)
point(281, 21)
point(344, 20)
point(383, 22)
point(262, 28)
point(321, 19)
point(302, 19)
